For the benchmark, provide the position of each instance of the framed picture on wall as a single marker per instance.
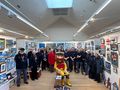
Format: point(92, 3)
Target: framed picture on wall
point(9, 43)
point(114, 47)
point(119, 48)
point(2, 67)
point(2, 44)
point(115, 70)
point(60, 46)
point(115, 86)
point(114, 59)
point(108, 55)
point(108, 67)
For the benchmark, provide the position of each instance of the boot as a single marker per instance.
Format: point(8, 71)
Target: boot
point(68, 82)
point(62, 82)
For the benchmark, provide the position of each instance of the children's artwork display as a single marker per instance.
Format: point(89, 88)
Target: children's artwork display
point(2, 44)
point(60, 46)
point(114, 59)
point(114, 47)
point(108, 67)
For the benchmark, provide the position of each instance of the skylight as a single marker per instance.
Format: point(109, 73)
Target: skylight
point(59, 3)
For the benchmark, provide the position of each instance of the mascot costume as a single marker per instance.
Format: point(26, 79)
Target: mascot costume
point(61, 68)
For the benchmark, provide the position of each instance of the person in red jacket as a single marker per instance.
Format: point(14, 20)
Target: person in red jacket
point(51, 60)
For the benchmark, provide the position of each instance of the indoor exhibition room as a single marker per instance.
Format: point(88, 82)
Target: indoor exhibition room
point(59, 44)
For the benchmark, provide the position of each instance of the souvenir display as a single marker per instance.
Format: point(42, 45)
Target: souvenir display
point(108, 67)
point(2, 44)
point(114, 58)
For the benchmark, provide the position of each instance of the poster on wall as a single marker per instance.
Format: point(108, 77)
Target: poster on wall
point(114, 47)
point(119, 48)
point(60, 46)
point(42, 45)
point(108, 67)
point(2, 44)
point(69, 45)
point(115, 86)
point(115, 70)
point(51, 45)
point(109, 56)
point(114, 39)
point(114, 59)
point(79, 45)
point(9, 43)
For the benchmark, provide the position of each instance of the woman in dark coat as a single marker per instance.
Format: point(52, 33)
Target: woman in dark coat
point(33, 65)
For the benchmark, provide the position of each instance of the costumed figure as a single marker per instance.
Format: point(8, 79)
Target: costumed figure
point(61, 68)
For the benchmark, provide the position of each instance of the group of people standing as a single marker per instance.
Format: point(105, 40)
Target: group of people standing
point(78, 60)
point(86, 62)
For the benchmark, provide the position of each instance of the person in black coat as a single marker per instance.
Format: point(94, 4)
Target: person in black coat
point(32, 65)
point(39, 56)
point(45, 60)
point(99, 67)
point(92, 66)
point(21, 66)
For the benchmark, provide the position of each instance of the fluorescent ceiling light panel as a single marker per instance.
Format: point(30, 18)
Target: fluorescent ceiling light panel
point(59, 3)
point(103, 6)
point(97, 12)
point(21, 18)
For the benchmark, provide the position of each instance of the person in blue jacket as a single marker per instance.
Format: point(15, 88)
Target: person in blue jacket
point(21, 66)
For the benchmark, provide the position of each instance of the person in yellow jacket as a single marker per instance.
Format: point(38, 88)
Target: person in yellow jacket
point(61, 68)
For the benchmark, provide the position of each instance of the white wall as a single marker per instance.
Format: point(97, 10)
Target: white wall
point(61, 30)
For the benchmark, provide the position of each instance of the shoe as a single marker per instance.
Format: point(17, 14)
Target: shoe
point(18, 85)
point(68, 82)
point(26, 82)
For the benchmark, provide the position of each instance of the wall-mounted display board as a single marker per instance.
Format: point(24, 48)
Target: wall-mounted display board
point(2, 44)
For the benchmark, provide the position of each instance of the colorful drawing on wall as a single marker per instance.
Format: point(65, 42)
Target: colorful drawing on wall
point(108, 56)
point(108, 67)
point(79, 45)
point(51, 45)
point(115, 86)
point(115, 70)
point(114, 59)
point(114, 47)
point(9, 43)
point(60, 46)
point(2, 44)
point(69, 45)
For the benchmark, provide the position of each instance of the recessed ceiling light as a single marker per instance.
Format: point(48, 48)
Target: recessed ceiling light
point(1, 31)
point(26, 36)
point(92, 19)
